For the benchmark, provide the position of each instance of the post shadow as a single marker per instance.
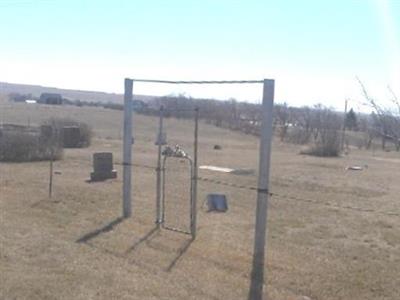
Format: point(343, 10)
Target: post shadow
point(94, 233)
point(144, 238)
point(181, 251)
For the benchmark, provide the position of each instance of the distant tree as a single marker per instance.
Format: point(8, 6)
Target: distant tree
point(17, 97)
point(234, 114)
point(386, 121)
point(351, 120)
point(282, 119)
point(325, 124)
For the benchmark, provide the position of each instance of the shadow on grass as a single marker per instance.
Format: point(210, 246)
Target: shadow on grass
point(106, 228)
point(45, 200)
point(181, 251)
point(148, 237)
point(144, 238)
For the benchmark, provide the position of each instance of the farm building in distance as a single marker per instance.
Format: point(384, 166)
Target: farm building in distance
point(50, 98)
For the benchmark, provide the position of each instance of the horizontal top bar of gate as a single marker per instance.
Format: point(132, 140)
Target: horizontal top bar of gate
point(199, 81)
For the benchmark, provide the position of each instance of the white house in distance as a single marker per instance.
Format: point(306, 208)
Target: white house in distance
point(30, 101)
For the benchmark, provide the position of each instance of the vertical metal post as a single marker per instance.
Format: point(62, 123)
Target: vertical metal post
point(51, 178)
point(127, 150)
point(159, 143)
point(193, 213)
point(344, 125)
point(257, 273)
point(54, 135)
point(163, 190)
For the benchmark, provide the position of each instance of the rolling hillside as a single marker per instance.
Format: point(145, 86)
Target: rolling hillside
point(36, 90)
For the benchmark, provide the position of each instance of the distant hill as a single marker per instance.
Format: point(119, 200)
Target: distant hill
point(91, 96)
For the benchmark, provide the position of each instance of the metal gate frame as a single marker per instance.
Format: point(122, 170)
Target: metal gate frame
point(161, 163)
point(191, 202)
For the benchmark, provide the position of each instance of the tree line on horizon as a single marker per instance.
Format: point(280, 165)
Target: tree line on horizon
point(318, 125)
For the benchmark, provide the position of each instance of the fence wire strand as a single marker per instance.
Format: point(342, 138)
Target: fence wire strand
point(274, 194)
point(294, 198)
point(284, 196)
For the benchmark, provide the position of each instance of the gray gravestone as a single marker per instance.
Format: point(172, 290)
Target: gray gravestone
point(102, 167)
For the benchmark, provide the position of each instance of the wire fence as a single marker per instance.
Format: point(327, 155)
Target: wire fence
point(279, 195)
point(271, 193)
point(290, 197)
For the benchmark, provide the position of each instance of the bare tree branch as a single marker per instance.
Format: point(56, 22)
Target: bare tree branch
point(395, 100)
point(388, 122)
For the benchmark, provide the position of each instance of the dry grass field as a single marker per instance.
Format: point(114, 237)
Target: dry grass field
point(331, 234)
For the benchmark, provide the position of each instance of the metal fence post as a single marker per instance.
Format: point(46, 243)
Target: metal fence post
point(344, 127)
point(193, 214)
point(127, 150)
point(159, 218)
point(257, 273)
